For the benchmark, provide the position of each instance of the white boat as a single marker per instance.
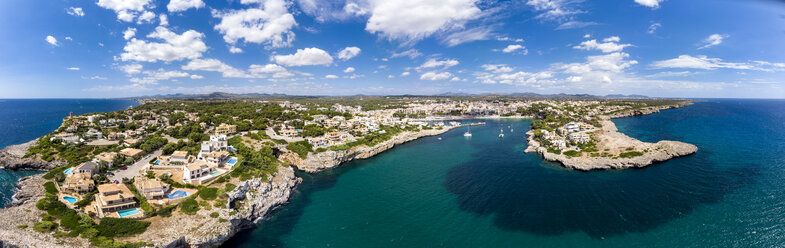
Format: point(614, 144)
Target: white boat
point(468, 133)
point(511, 130)
point(501, 135)
point(440, 138)
point(501, 130)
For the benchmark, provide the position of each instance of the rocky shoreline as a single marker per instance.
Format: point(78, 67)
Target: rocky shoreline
point(331, 159)
point(12, 158)
point(657, 152)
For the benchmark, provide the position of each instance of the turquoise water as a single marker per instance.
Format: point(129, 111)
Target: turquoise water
point(128, 212)
point(177, 194)
point(69, 199)
point(22, 120)
point(68, 171)
point(484, 191)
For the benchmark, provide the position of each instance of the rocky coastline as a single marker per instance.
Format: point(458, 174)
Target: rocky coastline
point(656, 152)
point(12, 158)
point(331, 159)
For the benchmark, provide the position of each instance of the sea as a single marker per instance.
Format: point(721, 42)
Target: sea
point(484, 191)
point(22, 120)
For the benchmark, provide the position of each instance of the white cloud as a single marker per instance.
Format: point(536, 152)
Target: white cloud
point(406, 73)
point(501, 74)
point(575, 24)
point(411, 53)
point(653, 27)
point(277, 71)
point(713, 40)
point(307, 56)
point(75, 11)
point(609, 45)
point(348, 70)
point(513, 48)
point(68, 38)
point(51, 40)
point(72, 68)
point(706, 63)
point(348, 53)
point(455, 79)
point(330, 76)
point(98, 78)
point(131, 68)
point(158, 75)
point(270, 25)
point(234, 49)
point(413, 20)
point(183, 5)
point(554, 10)
point(435, 76)
point(188, 45)
point(474, 34)
point(196, 76)
point(327, 10)
point(163, 20)
point(650, 3)
point(431, 63)
point(129, 33)
point(390, 76)
point(126, 10)
point(215, 65)
point(499, 68)
point(146, 17)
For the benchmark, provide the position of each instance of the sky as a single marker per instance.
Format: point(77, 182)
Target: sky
point(124, 48)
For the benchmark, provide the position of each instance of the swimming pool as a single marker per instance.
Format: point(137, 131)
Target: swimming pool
point(216, 173)
point(68, 171)
point(69, 199)
point(177, 194)
point(232, 161)
point(128, 212)
point(157, 162)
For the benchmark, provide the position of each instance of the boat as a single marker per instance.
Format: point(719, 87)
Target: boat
point(440, 138)
point(501, 130)
point(501, 135)
point(511, 130)
point(468, 133)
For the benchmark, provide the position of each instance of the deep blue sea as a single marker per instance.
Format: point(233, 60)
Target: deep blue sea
point(484, 191)
point(22, 120)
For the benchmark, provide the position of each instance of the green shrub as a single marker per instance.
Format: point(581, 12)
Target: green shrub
point(572, 153)
point(166, 211)
point(222, 220)
point(50, 188)
point(208, 193)
point(41, 204)
point(89, 233)
point(556, 151)
point(189, 206)
point(70, 221)
point(630, 154)
point(300, 147)
point(21, 226)
point(214, 214)
point(116, 227)
point(229, 187)
point(48, 217)
point(45, 226)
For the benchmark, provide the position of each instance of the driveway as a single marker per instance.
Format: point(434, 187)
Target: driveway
point(133, 170)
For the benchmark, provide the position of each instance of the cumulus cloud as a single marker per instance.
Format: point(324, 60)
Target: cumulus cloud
point(188, 45)
point(406, 73)
point(73, 68)
point(330, 76)
point(276, 71)
point(432, 63)
point(303, 57)
point(435, 76)
point(51, 40)
point(146, 17)
point(131, 68)
point(129, 33)
point(269, 24)
point(152, 77)
point(497, 68)
point(196, 76)
point(348, 70)
point(411, 53)
point(650, 3)
point(215, 65)
point(126, 10)
point(413, 20)
point(608, 45)
point(75, 11)
point(502, 74)
point(234, 49)
point(163, 20)
point(513, 48)
point(348, 53)
point(183, 5)
point(713, 40)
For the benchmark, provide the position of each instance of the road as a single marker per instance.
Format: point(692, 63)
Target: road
point(133, 170)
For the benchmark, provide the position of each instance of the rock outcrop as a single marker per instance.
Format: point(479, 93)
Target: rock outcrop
point(330, 159)
point(610, 138)
point(12, 158)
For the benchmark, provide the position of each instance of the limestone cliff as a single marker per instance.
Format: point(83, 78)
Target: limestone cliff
point(12, 158)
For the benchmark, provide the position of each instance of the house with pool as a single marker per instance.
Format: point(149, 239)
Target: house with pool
point(151, 189)
point(116, 200)
point(78, 183)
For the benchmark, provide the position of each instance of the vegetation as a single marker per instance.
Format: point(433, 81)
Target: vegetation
point(208, 193)
point(189, 206)
point(630, 154)
point(116, 227)
point(45, 226)
point(302, 148)
point(50, 188)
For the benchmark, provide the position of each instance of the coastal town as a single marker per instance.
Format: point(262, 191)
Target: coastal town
point(194, 172)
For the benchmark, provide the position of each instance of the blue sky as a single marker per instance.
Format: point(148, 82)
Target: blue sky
point(118, 48)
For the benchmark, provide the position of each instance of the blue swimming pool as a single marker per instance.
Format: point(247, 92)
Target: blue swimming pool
point(128, 212)
point(177, 194)
point(157, 162)
point(68, 171)
point(232, 161)
point(69, 199)
point(231, 148)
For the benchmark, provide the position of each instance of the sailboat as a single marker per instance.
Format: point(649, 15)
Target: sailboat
point(501, 134)
point(468, 133)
